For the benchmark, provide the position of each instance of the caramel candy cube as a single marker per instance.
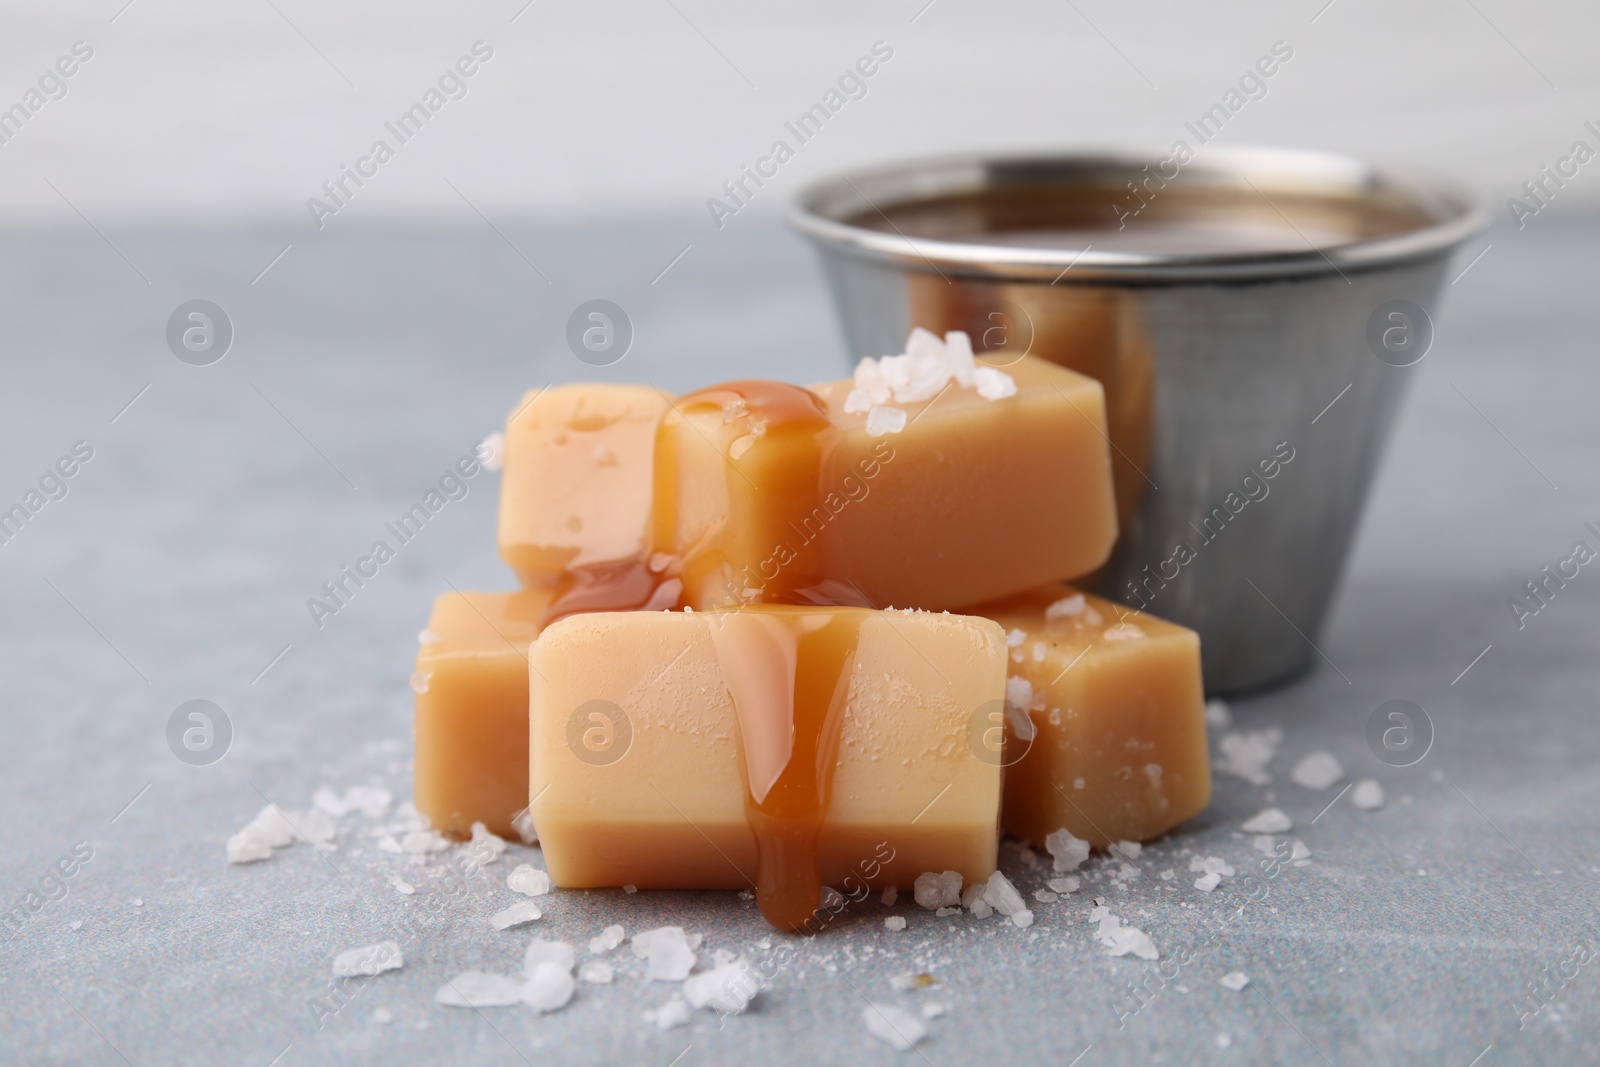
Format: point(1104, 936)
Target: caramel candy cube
point(771, 493)
point(1115, 700)
point(575, 487)
point(774, 748)
point(472, 709)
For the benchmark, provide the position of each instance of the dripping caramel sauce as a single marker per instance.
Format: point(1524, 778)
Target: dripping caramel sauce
point(788, 670)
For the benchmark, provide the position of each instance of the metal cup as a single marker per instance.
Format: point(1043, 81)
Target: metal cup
point(1254, 316)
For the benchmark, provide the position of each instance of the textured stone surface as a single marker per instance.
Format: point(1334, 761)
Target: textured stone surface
point(188, 546)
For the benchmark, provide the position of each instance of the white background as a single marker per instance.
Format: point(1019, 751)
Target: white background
point(239, 110)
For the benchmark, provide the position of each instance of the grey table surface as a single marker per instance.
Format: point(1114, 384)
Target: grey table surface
point(179, 563)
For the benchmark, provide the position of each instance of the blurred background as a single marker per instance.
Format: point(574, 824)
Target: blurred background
point(195, 113)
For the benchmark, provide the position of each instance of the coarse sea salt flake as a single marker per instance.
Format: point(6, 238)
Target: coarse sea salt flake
point(1067, 850)
point(884, 419)
point(542, 951)
point(529, 880)
point(525, 911)
point(1367, 795)
point(479, 989)
point(674, 1013)
point(1319, 770)
point(727, 988)
point(1234, 980)
point(1270, 821)
point(491, 451)
point(992, 384)
point(894, 922)
point(606, 940)
point(1067, 607)
point(895, 1027)
point(597, 972)
point(548, 988)
point(1246, 755)
point(367, 961)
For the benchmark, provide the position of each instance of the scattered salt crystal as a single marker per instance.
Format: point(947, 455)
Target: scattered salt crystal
point(270, 829)
point(1022, 919)
point(597, 972)
point(420, 680)
point(75, 923)
point(884, 419)
point(726, 988)
point(1219, 716)
point(1207, 882)
point(419, 842)
point(402, 886)
point(1068, 851)
point(479, 989)
point(1045, 896)
point(667, 951)
point(674, 1013)
point(245, 848)
point(604, 457)
point(1068, 884)
point(522, 823)
point(832, 899)
point(1299, 854)
point(895, 1027)
point(908, 982)
point(549, 987)
point(1003, 897)
point(1264, 843)
point(1039, 652)
point(946, 911)
point(1270, 821)
point(542, 951)
point(1319, 770)
point(933, 890)
point(491, 451)
point(138, 902)
point(1367, 795)
point(933, 1011)
point(522, 912)
point(1127, 850)
point(1224, 1041)
point(1212, 865)
point(1119, 939)
point(368, 960)
point(1246, 755)
point(1014, 638)
point(1066, 608)
point(894, 922)
point(529, 880)
point(1126, 631)
point(630, 888)
point(889, 896)
point(1235, 980)
point(992, 384)
point(606, 940)
point(383, 1016)
point(959, 356)
point(485, 844)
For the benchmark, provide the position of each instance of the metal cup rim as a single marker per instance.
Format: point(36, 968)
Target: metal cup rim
point(817, 212)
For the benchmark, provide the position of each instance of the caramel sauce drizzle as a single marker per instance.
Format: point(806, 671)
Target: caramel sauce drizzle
point(788, 670)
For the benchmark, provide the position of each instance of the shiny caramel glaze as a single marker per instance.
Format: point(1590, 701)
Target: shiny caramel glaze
point(788, 670)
